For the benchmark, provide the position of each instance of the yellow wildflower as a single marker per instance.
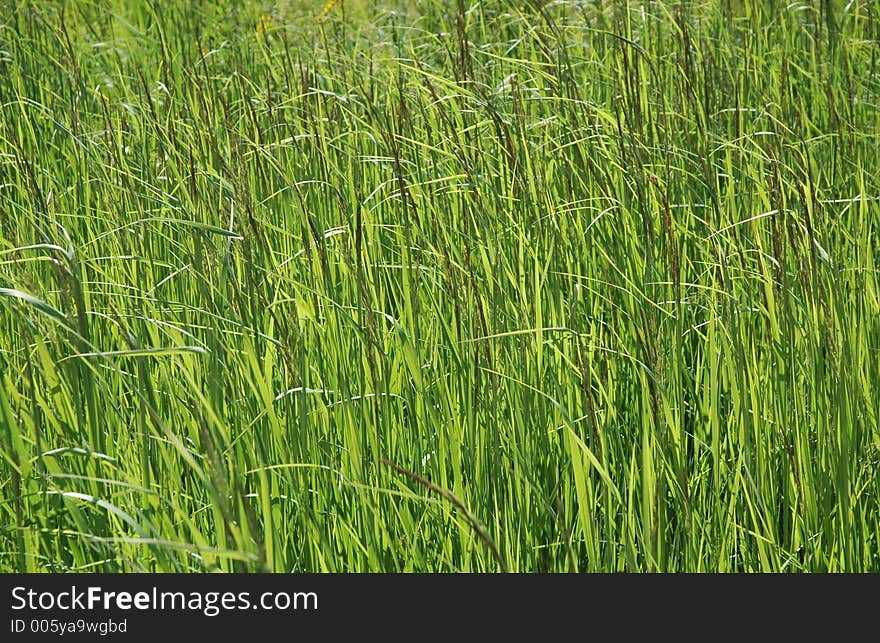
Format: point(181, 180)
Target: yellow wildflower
point(264, 25)
point(327, 8)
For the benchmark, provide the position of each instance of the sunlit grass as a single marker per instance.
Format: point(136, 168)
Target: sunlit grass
point(440, 286)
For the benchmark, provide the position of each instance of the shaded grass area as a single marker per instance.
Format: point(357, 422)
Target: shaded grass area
point(442, 286)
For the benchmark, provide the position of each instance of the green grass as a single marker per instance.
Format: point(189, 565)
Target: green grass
point(440, 286)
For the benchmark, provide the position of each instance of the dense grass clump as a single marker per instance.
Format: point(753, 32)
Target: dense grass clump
point(436, 286)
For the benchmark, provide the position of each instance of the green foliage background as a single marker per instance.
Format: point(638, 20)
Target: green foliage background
point(439, 286)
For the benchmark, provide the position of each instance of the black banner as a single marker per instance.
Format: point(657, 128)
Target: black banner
point(130, 607)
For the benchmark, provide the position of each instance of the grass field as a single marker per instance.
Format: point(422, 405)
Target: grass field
point(440, 286)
